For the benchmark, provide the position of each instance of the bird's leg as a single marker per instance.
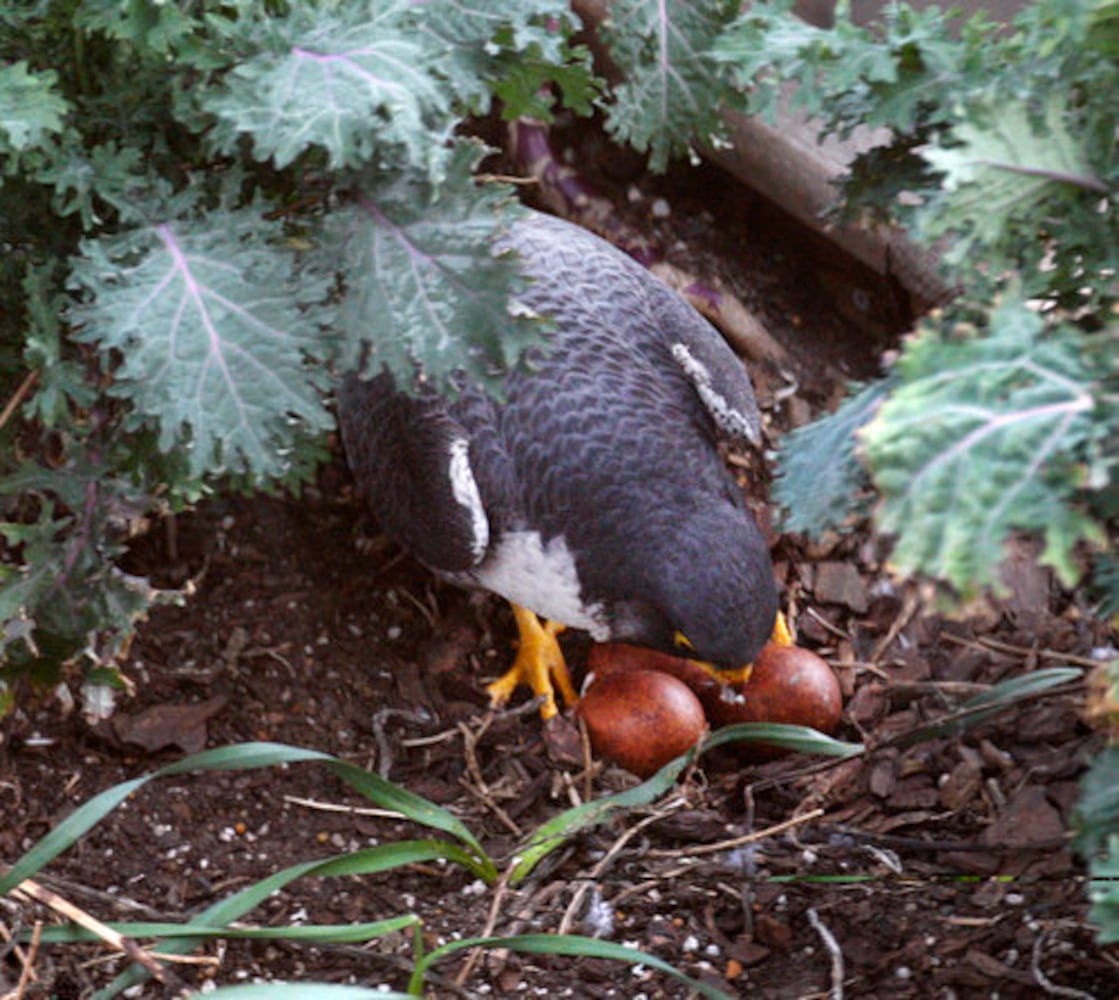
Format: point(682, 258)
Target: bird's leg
point(539, 664)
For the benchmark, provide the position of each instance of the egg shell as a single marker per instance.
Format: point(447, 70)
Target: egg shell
point(608, 658)
point(788, 684)
point(641, 719)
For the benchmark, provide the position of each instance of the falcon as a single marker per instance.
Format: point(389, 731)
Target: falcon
point(592, 494)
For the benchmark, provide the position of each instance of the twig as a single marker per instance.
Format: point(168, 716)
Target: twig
point(119, 902)
point(910, 607)
point(826, 625)
point(27, 973)
point(1046, 983)
point(427, 741)
point(749, 838)
point(998, 646)
point(14, 949)
point(112, 938)
point(479, 789)
point(501, 890)
point(836, 992)
point(520, 920)
point(429, 615)
point(607, 860)
point(17, 397)
point(894, 842)
point(337, 807)
point(748, 868)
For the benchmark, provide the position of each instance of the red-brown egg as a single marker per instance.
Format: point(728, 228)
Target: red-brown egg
point(641, 719)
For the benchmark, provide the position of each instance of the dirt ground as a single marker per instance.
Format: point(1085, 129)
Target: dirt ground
point(940, 865)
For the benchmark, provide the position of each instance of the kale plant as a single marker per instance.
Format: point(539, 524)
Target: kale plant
point(207, 208)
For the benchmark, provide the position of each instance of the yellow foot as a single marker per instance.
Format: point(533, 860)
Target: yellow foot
point(539, 663)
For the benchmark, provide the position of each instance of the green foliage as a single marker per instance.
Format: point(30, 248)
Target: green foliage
point(980, 437)
point(673, 88)
point(819, 465)
point(208, 210)
point(1001, 414)
point(350, 80)
point(447, 278)
point(212, 356)
point(1098, 819)
point(30, 108)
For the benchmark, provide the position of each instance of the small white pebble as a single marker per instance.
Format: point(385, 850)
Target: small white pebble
point(660, 209)
point(394, 632)
point(903, 972)
point(712, 950)
point(1014, 899)
point(691, 943)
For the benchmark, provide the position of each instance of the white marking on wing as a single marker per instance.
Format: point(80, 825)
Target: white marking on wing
point(465, 490)
point(734, 422)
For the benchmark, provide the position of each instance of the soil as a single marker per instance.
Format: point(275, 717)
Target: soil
point(938, 864)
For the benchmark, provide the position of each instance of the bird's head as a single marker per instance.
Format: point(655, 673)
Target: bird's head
point(715, 595)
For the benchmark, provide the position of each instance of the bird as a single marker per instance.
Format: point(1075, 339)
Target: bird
point(590, 492)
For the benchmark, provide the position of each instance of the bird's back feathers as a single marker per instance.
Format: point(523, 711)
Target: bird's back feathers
point(605, 450)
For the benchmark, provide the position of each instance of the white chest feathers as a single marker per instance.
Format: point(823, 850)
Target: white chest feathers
point(541, 577)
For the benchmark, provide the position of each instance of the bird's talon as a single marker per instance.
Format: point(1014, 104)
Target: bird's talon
point(782, 634)
point(539, 666)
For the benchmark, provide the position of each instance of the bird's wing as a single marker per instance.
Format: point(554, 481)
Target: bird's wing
point(586, 282)
point(411, 462)
point(716, 373)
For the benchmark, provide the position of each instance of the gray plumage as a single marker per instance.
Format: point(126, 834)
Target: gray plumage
point(604, 503)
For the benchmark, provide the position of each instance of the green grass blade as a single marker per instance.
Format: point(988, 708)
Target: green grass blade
point(245, 756)
point(561, 944)
point(1016, 688)
point(558, 830)
point(367, 861)
point(988, 703)
point(312, 933)
point(803, 739)
point(66, 833)
point(415, 807)
point(364, 862)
